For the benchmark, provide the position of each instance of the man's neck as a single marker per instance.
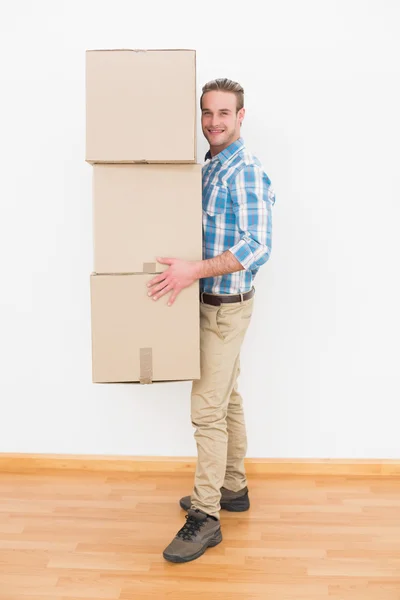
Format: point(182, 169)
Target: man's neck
point(214, 150)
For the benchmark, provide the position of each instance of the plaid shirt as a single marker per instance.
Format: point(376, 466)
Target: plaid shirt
point(237, 207)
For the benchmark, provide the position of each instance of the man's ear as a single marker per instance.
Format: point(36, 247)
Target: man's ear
point(241, 114)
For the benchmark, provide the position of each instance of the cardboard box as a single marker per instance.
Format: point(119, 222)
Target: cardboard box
point(144, 211)
point(137, 339)
point(141, 106)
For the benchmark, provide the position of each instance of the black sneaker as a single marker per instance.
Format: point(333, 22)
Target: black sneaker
point(200, 532)
point(232, 501)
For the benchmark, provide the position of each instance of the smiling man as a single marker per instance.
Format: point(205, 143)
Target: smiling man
point(237, 236)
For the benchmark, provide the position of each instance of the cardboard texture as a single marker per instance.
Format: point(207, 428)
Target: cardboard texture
point(136, 339)
point(141, 106)
point(141, 212)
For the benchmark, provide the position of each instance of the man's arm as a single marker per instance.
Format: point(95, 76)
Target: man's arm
point(223, 264)
point(252, 200)
point(182, 273)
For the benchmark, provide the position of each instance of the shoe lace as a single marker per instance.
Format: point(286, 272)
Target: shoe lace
point(190, 528)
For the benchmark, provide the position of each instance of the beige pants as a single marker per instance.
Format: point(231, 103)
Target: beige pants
point(217, 407)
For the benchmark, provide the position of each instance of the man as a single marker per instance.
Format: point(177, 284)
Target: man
point(237, 233)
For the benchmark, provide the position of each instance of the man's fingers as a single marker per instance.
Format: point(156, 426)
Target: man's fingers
point(165, 261)
point(163, 291)
point(156, 279)
point(158, 287)
point(173, 297)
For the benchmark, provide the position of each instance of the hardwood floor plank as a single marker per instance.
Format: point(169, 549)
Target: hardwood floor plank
point(100, 536)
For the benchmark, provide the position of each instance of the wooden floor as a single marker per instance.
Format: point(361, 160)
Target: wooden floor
point(76, 536)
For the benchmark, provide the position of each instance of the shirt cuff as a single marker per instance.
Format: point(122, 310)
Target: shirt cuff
point(242, 252)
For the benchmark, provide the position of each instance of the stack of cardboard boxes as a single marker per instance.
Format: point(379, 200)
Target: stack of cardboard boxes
point(141, 141)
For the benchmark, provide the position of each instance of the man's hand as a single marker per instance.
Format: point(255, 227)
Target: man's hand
point(179, 275)
point(182, 273)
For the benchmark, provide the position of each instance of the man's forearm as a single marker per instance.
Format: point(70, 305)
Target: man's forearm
point(223, 264)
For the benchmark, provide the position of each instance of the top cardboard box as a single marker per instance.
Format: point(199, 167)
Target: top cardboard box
point(140, 106)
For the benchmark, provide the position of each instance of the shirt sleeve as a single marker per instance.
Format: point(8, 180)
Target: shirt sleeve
point(253, 199)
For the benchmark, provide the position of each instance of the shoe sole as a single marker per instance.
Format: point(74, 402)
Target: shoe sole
point(237, 507)
point(214, 541)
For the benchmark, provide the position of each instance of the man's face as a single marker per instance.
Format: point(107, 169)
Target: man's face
point(219, 120)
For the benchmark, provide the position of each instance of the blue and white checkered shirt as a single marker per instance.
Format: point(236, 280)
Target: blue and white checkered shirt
point(237, 216)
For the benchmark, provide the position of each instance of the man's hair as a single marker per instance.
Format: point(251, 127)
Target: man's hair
point(225, 85)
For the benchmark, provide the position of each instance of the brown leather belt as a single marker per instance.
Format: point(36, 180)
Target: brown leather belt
point(216, 299)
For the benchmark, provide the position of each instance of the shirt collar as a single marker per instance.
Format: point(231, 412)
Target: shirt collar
point(228, 153)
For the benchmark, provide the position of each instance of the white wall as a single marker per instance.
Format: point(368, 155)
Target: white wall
point(320, 374)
